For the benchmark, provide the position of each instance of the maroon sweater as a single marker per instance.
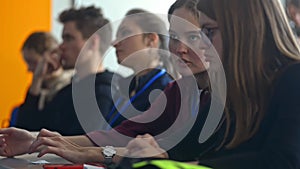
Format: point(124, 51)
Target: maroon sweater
point(166, 115)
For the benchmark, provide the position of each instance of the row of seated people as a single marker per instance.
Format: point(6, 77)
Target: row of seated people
point(49, 102)
point(249, 120)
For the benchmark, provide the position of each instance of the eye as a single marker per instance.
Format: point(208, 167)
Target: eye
point(194, 37)
point(125, 33)
point(209, 31)
point(67, 38)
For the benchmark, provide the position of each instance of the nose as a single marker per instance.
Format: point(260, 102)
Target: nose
point(115, 43)
point(62, 46)
point(181, 48)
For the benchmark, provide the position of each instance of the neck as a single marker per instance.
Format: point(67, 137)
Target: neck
point(202, 80)
point(140, 70)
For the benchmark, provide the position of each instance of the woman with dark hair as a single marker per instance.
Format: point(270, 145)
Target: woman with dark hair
point(261, 116)
point(261, 59)
point(172, 111)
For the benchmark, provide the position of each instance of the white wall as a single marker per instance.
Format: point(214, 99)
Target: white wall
point(57, 7)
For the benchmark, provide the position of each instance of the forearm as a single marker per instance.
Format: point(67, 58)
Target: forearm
point(95, 155)
point(36, 86)
point(81, 140)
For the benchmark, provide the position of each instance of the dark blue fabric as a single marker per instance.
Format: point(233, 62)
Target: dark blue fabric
point(141, 103)
point(276, 145)
point(59, 114)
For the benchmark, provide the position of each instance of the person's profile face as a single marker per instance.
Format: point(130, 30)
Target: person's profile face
point(72, 44)
point(212, 31)
point(294, 14)
point(31, 58)
point(186, 42)
point(130, 43)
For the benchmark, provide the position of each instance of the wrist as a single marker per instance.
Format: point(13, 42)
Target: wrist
point(36, 86)
point(115, 158)
point(108, 153)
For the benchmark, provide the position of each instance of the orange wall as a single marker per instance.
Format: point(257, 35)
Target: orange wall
point(18, 20)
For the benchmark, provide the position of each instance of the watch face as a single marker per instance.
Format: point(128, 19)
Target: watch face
point(109, 151)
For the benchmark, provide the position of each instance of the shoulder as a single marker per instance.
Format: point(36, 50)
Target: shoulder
point(107, 77)
point(289, 76)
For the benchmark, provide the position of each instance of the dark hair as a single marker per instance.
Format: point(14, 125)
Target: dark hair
point(40, 42)
point(150, 23)
point(89, 20)
point(191, 5)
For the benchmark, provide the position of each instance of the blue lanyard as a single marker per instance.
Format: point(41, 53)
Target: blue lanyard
point(148, 84)
point(195, 102)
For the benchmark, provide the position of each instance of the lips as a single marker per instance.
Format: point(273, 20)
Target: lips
point(183, 62)
point(118, 51)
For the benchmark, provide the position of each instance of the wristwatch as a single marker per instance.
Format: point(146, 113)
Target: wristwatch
point(108, 153)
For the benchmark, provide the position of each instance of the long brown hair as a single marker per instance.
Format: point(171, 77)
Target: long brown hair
point(257, 44)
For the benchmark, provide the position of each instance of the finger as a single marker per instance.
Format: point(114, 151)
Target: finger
point(147, 138)
point(2, 140)
point(52, 60)
point(147, 135)
point(47, 133)
point(42, 141)
point(51, 150)
point(136, 143)
point(151, 140)
point(3, 151)
point(139, 136)
point(6, 130)
point(41, 68)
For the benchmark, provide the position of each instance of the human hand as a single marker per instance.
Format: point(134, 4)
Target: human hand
point(145, 146)
point(54, 143)
point(14, 141)
point(50, 62)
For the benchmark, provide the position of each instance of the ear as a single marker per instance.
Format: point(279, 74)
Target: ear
point(152, 40)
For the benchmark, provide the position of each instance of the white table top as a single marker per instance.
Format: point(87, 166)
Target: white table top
point(25, 161)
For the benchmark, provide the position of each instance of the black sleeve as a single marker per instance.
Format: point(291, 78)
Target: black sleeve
point(281, 148)
point(29, 117)
point(104, 98)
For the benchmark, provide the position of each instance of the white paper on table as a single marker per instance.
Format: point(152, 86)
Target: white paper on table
point(40, 162)
point(86, 166)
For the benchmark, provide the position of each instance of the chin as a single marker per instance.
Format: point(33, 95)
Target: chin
point(66, 67)
point(186, 72)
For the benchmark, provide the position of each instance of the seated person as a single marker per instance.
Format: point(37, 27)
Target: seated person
point(40, 52)
point(140, 50)
point(67, 107)
point(260, 126)
point(293, 11)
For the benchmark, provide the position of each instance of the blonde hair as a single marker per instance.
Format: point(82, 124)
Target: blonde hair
point(40, 42)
